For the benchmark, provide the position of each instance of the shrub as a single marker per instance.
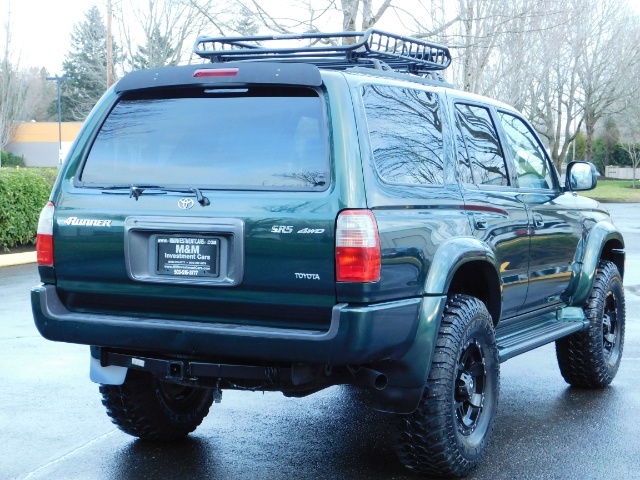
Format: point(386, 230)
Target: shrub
point(9, 159)
point(23, 193)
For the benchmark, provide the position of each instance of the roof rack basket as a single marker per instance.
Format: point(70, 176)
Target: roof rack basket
point(402, 54)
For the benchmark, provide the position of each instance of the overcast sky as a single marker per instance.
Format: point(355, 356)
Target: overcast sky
point(42, 28)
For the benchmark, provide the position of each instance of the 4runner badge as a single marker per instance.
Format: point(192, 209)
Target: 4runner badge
point(186, 203)
point(86, 222)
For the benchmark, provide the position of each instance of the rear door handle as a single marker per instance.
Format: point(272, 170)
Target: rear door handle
point(480, 221)
point(538, 220)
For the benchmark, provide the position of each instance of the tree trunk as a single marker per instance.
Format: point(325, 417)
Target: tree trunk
point(349, 14)
point(590, 127)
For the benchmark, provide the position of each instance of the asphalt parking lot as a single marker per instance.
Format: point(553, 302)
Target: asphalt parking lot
point(53, 425)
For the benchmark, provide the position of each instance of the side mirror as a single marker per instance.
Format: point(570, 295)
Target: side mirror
point(580, 176)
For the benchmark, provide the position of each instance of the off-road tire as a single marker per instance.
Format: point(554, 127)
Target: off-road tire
point(590, 358)
point(446, 435)
point(150, 409)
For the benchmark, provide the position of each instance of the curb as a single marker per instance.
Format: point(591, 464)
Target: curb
point(12, 259)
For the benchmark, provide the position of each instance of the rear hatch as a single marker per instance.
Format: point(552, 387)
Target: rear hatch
point(205, 204)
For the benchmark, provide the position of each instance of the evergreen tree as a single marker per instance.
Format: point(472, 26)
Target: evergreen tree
point(85, 66)
point(580, 144)
point(158, 52)
point(245, 24)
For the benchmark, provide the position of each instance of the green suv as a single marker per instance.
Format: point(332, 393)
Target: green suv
point(288, 218)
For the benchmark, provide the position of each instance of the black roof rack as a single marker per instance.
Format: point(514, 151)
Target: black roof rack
point(371, 48)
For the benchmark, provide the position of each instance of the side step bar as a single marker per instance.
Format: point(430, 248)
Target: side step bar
point(527, 334)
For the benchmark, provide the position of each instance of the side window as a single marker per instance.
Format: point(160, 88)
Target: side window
point(405, 130)
point(531, 164)
point(482, 145)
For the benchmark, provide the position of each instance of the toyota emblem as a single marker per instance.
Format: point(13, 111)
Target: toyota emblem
point(186, 203)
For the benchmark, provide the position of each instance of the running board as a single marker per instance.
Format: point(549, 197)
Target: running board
point(524, 335)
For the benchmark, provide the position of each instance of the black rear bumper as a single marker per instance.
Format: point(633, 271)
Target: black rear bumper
point(356, 335)
point(396, 338)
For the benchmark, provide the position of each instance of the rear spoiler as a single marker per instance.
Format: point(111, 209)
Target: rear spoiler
point(227, 75)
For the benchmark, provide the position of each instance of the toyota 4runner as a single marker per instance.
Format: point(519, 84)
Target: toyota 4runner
point(288, 218)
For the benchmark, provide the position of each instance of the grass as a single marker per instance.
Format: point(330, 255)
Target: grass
point(615, 191)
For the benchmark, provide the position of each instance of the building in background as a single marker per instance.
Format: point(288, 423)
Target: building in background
point(38, 142)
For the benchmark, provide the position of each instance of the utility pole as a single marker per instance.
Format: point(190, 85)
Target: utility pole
point(109, 46)
point(58, 81)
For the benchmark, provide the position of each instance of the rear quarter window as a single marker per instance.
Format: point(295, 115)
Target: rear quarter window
point(258, 138)
point(405, 131)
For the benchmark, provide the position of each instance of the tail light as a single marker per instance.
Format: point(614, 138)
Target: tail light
point(44, 242)
point(357, 247)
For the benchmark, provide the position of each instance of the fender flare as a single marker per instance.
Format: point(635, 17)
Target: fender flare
point(450, 256)
point(588, 256)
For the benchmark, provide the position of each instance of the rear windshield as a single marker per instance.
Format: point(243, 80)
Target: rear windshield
point(259, 138)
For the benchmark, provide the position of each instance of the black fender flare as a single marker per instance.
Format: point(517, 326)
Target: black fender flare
point(588, 256)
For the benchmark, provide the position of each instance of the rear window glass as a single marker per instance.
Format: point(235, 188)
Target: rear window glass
point(261, 138)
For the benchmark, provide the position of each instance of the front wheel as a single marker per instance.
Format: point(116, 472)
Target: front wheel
point(590, 358)
point(449, 431)
point(151, 409)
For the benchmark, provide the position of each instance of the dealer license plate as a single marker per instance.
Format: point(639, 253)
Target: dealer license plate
point(188, 256)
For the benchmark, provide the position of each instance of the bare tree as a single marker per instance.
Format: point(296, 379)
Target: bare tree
point(633, 150)
point(156, 33)
point(308, 16)
point(562, 68)
point(551, 103)
point(608, 50)
point(12, 87)
point(630, 132)
point(39, 95)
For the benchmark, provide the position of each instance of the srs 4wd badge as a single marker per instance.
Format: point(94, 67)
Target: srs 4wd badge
point(289, 229)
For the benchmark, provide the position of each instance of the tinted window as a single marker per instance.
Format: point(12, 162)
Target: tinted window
point(406, 134)
point(531, 164)
point(463, 156)
point(261, 138)
point(482, 145)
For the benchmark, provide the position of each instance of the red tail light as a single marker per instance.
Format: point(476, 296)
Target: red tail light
point(357, 247)
point(44, 242)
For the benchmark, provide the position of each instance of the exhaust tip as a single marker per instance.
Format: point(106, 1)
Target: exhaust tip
point(367, 377)
point(380, 382)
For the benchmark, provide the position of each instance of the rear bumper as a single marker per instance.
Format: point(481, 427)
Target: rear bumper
point(357, 334)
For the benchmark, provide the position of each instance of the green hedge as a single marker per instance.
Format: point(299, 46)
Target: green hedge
point(9, 159)
point(23, 193)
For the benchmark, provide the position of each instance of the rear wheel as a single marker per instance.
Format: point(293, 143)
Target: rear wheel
point(151, 409)
point(590, 358)
point(450, 429)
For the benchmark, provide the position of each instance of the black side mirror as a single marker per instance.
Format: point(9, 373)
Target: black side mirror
point(580, 176)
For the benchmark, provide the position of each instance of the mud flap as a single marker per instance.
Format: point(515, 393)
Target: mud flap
point(408, 375)
point(110, 375)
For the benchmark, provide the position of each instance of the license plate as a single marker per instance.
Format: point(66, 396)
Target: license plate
point(188, 256)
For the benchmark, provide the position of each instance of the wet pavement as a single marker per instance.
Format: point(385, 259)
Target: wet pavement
point(53, 426)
